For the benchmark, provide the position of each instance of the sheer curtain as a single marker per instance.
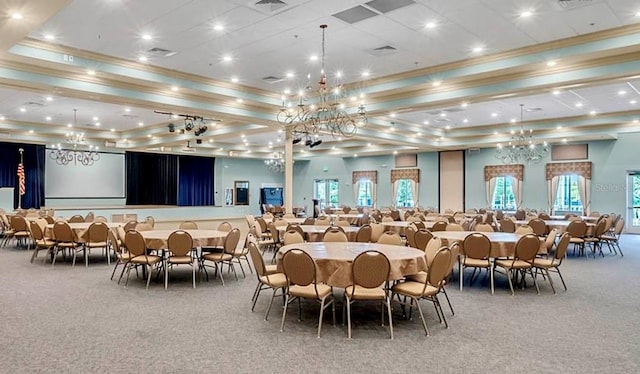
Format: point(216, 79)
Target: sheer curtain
point(394, 192)
point(552, 191)
point(415, 190)
point(374, 193)
point(517, 191)
point(584, 188)
point(356, 189)
point(490, 187)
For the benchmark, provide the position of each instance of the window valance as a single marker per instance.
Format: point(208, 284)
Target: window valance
point(493, 171)
point(372, 175)
point(413, 174)
point(562, 168)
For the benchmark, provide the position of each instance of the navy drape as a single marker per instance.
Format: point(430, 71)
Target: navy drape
point(195, 183)
point(152, 179)
point(34, 158)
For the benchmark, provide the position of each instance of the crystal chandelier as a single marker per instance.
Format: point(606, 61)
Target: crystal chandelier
point(522, 148)
point(275, 164)
point(85, 157)
point(326, 114)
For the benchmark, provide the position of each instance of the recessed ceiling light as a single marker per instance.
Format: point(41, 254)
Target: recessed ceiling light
point(113, 130)
point(366, 73)
point(140, 123)
point(242, 135)
point(127, 110)
point(96, 118)
point(622, 92)
point(494, 114)
point(143, 59)
point(49, 98)
point(69, 125)
point(392, 115)
point(526, 13)
point(638, 14)
point(239, 100)
point(147, 37)
point(97, 124)
point(579, 105)
point(49, 36)
point(392, 129)
point(419, 134)
point(477, 49)
point(559, 127)
point(436, 84)
point(174, 88)
point(91, 72)
point(465, 120)
point(635, 121)
point(593, 112)
point(425, 122)
point(47, 118)
point(448, 127)
point(443, 114)
point(17, 15)
point(551, 63)
point(290, 74)
point(287, 91)
point(23, 110)
point(431, 25)
point(464, 105)
point(210, 140)
point(226, 58)
point(234, 80)
point(495, 133)
point(564, 140)
point(355, 155)
point(513, 120)
point(368, 144)
point(218, 27)
point(632, 102)
point(555, 92)
point(148, 135)
point(30, 131)
point(313, 58)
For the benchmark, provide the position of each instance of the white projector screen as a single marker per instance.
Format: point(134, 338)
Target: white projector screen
point(103, 179)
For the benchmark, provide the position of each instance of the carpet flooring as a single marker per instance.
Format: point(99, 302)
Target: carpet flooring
point(75, 320)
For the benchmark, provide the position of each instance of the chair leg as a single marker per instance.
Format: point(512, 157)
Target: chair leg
point(424, 323)
point(114, 269)
point(273, 296)
point(348, 303)
point(561, 278)
point(284, 312)
point(149, 271)
point(461, 272)
point(439, 307)
point(388, 302)
point(535, 283)
point(256, 293)
point(550, 281)
point(35, 254)
point(491, 267)
point(166, 276)
point(321, 316)
point(449, 302)
point(193, 274)
point(510, 283)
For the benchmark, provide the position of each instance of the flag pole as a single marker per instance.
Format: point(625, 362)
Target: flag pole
point(21, 163)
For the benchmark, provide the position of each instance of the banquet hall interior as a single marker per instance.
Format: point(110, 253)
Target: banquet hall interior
point(446, 181)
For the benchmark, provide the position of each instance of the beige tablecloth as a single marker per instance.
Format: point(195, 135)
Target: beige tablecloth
point(503, 244)
point(80, 229)
point(315, 233)
point(333, 260)
point(157, 239)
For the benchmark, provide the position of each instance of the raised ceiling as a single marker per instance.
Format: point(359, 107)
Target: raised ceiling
point(442, 74)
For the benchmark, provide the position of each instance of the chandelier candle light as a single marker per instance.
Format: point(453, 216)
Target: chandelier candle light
point(275, 164)
point(522, 147)
point(85, 157)
point(327, 114)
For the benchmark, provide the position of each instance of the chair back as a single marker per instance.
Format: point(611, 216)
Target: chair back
point(600, 229)
point(76, 219)
point(36, 231)
point(520, 214)
point(538, 226)
point(507, 225)
point(370, 269)
point(112, 241)
point(563, 245)
point(299, 267)
point(257, 260)
point(334, 234)
point(439, 226)
point(225, 226)
point(483, 227)
point(422, 238)
point(188, 225)
point(619, 227)
point(439, 268)
point(364, 234)
point(231, 241)
point(577, 228)
point(89, 217)
point(180, 243)
point(524, 229)
point(19, 223)
point(544, 216)
point(50, 220)
point(391, 238)
point(551, 239)
point(130, 225)
point(150, 220)
point(377, 229)
point(342, 223)
point(477, 246)
point(419, 225)
point(527, 247)
point(292, 236)
point(387, 219)
point(454, 248)
point(97, 219)
point(144, 227)
point(346, 210)
point(323, 221)
point(410, 234)
point(98, 232)
point(273, 232)
point(63, 233)
point(432, 247)
point(453, 227)
point(309, 221)
point(134, 242)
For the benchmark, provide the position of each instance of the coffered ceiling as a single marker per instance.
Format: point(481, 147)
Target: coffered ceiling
point(439, 74)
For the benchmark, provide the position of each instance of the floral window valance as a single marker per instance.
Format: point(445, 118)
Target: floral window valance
point(562, 168)
point(493, 171)
point(413, 174)
point(371, 175)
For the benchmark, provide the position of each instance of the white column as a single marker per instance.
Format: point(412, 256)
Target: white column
point(288, 172)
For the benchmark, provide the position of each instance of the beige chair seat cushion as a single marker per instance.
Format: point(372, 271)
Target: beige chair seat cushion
point(475, 263)
point(218, 256)
point(271, 269)
point(421, 277)
point(123, 256)
point(576, 240)
point(517, 264)
point(275, 280)
point(608, 237)
point(67, 244)
point(180, 260)
point(362, 293)
point(146, 259)
point(545, 263)
point(414, 289)
point(45, 243)
point(309, 292)
point(591, 240)
point(97, 245)
point(266, 242)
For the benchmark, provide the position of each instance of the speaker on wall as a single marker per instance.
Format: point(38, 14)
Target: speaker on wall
point(407, 160)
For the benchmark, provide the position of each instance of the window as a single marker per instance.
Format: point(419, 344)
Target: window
point(326, 191)
point(404, 195)
point(365, 193)
point(568, 195)
point(503, 196)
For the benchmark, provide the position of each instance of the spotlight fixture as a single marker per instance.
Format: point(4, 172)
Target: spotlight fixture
point(188, 124)
point(308, 142)
point(296, 140)
point(191, 123)
point(200, 130)
point(198, 141)
point(172, 127)
point(316, 143)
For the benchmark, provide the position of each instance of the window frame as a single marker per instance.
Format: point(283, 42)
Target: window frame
point(566, 192)
point(504, 194)
point(367, 183)
point(407, 185)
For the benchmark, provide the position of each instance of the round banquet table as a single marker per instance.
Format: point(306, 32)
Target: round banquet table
point(503, 244)
point(80, 229)
point(584, 218)
point(298, 221)
point(333, 260)
point(315, 233)
point(157, 239)
point(561, 225)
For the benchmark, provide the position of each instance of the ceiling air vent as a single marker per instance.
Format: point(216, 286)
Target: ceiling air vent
point(440, 111)
point(355, 14)
point(532, 110)
point(272, 79)
point(269, 6)
point(157, 51)
point(382, 51)
point(384, 6)
point(34, 104)
point(571, 4)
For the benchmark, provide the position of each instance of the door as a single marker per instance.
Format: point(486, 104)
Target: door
point(633, 203)
point(326, 191)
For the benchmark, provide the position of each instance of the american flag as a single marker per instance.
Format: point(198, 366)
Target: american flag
point(21, 179)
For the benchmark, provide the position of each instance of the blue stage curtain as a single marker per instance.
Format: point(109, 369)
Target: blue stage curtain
point(152, 179)
point(195, 183)
point(34, 156)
